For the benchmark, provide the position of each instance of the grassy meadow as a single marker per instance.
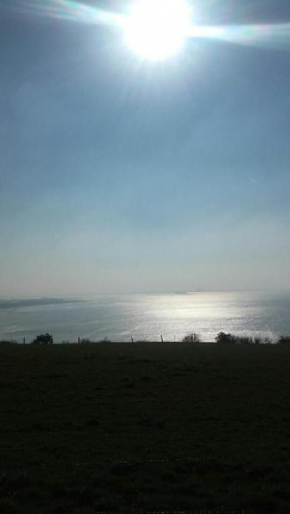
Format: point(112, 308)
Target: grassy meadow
point(147, 427)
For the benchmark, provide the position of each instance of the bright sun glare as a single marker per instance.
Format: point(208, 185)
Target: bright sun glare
point(157, 29)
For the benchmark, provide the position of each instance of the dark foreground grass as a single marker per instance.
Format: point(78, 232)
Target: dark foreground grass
point(145, 427)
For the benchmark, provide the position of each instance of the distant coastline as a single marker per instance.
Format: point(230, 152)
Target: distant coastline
point(10, 304)
point(190, 292)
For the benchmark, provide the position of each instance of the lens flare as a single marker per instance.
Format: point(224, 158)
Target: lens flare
point(275, 36)
point(157, 29)
point(69, 10)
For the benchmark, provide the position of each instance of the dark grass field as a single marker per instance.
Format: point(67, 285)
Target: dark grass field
point(148, 427)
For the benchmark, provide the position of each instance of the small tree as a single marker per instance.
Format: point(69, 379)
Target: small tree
point(43, 339)
point(223, 338)
point(284, 340)
point(244, 340)
point(268, 340)
point(191, 338)
point(105, 340)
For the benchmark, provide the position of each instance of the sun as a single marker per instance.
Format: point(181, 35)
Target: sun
point(157, 29)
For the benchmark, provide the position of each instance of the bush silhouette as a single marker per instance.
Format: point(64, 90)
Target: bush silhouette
point(85, 340)
point(267, 340)
point(105, 340)
point(244, 340)
point(284, 340)
point(223, 338)
point(191, 338)
point(43, 339)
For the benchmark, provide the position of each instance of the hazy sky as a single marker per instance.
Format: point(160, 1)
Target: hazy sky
point(118, 175)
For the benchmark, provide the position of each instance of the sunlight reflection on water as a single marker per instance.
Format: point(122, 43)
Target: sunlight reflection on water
point(147, 317)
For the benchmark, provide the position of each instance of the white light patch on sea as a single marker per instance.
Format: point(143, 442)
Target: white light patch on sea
point(148, 317)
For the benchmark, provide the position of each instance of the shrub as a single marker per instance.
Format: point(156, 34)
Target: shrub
point(85, 340)
point(191, 338)
point(244, 340)
point(105, 340)
point(267, 340)
point(230, 338)
point(284, 340)
point(43, 339)
point(223, 338)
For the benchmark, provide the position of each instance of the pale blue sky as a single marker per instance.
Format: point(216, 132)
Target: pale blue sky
point(118, 175)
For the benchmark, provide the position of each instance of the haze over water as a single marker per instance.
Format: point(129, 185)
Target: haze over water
point(147, 317)
point(120, 172)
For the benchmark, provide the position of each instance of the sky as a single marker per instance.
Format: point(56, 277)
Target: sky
point(119, 175)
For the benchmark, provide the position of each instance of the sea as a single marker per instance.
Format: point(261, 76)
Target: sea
point(146, 317)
